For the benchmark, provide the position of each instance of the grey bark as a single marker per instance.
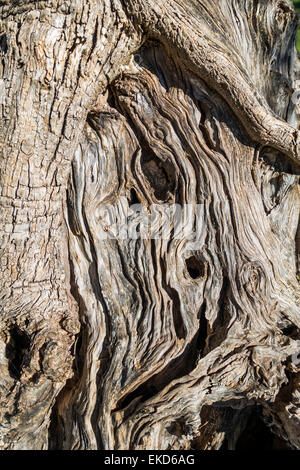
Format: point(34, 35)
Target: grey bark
point(148, 343)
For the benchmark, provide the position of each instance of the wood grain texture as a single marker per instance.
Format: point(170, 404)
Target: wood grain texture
point(140, 342)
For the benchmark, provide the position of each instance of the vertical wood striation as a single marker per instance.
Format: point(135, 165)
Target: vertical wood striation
point(133, 342)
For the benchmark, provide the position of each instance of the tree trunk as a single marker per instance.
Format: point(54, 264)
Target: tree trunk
point(122, 325)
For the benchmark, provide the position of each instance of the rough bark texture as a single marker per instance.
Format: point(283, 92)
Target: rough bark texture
point(148, 343)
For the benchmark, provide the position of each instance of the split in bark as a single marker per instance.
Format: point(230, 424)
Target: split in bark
point(132, 342)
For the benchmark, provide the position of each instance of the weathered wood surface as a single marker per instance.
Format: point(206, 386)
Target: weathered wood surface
point(148, 343)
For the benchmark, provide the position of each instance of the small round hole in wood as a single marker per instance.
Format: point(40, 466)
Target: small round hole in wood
point(196, 267)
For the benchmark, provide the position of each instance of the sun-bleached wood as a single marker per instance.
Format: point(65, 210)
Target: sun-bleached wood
point(148, 343)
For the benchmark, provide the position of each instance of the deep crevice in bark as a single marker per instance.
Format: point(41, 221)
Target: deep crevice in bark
point(203, 330)
point(177, 368)
point(257, 435)
point(180, 122)
point(16, 349)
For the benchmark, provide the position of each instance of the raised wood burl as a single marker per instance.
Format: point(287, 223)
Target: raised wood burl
point(124, 342)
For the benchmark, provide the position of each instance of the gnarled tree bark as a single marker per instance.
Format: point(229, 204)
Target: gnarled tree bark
point(124, 342)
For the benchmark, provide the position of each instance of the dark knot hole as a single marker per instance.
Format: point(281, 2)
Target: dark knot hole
point(196, 267)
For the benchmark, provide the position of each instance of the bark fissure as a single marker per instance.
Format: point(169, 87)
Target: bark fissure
point(113, 336)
